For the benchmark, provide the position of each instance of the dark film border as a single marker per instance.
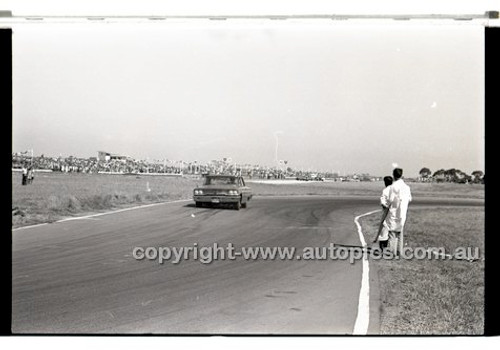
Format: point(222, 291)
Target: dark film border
point(492, 241)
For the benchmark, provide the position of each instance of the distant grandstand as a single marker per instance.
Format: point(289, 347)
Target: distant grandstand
point(106, 156)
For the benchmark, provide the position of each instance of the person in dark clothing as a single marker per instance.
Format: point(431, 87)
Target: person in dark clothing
point(384, 233)
point(24, 180)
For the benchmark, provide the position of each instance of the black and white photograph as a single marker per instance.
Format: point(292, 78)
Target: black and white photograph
point(261, 173)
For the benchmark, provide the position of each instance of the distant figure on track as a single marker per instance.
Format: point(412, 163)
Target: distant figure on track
point(24, 180)
point(397, 199)
point(383, 232)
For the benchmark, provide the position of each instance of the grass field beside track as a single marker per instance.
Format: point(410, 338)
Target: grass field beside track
point(53, 196)
point(433, 297)
point(446, 190)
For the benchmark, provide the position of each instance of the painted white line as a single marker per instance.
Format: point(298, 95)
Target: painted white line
point(30, 226)
point(363, 316)
point(122, 210)
point(105, 213)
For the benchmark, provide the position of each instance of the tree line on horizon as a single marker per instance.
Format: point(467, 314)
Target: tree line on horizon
point(452, 175)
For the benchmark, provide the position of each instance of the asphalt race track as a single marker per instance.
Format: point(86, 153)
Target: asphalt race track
point(79, 276)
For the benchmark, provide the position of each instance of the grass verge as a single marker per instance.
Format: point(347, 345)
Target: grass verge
point(433, 297)
point(54, 196)
point(447, 190)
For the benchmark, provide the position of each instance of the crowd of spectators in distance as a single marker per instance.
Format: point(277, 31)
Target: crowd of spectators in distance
point(93, 165)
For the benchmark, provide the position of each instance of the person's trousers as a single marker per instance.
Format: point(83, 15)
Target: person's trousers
point(395, 243)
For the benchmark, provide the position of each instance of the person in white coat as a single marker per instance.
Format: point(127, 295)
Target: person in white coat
point(397, 198)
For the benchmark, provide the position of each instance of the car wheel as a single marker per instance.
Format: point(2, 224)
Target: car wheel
point(198, 204)
point(244, 205)
point(237, 205)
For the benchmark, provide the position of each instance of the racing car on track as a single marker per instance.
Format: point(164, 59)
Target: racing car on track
point(222, 190)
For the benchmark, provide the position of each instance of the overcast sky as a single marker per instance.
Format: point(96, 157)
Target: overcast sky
point(348, 98)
